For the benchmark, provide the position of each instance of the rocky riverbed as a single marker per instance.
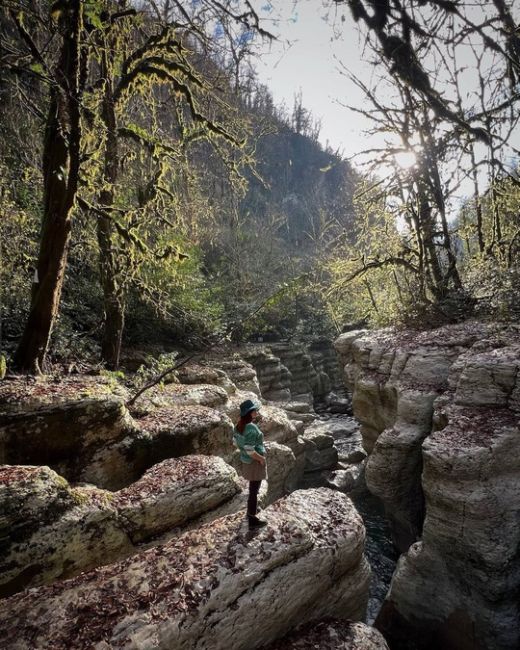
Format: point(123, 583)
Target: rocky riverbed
point(124, 527)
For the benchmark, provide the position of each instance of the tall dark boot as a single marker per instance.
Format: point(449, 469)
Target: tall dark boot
point(255, 522)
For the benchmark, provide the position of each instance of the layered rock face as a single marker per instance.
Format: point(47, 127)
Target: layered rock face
point(51, 531)
point(293, 373)
point(241, 373)
point(449, 423)
point(148, 502)
point(395, 379)
point(210, 587)
point(299, 363)
point(328, 370)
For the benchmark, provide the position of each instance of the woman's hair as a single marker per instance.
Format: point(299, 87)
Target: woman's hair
point(241, 424)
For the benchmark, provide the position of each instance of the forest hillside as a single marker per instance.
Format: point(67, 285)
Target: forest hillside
point(151, 188)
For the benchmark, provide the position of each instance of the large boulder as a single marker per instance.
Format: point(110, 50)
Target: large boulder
point(61, 424)
point(171, 395)
point(205, 589)
point(282, 471)
point(204, 373)
point(320, 452)
point(52, 531)
point(159, 433)
point(174, 492)
point(331, 634)
point(179, 431)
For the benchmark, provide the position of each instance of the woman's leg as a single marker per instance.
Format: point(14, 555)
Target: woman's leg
point(252, 500)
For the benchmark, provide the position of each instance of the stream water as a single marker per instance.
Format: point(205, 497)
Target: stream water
point(379, 549)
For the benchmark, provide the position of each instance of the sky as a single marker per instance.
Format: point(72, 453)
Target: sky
point(309, 59)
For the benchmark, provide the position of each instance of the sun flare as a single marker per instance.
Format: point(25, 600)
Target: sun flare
point(405, 159)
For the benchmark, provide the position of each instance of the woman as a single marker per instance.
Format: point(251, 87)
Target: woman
point(250, 441)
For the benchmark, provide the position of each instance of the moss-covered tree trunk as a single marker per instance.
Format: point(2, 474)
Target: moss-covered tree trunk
point(61, 163)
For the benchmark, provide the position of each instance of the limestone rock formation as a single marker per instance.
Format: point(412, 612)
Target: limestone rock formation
point(172, 493)
point(241, 373)
point(299, 363)
point(159, 433)
point(466, 568)
point(171, 395)
point(440, 414)
point(347, 478)
point(198, 373)
point(395, 379)
point(320, 453)
point(179, 431)
point(331, 634)
point(328, 369)
point(205, 588)
point(301, 413)
point(282, 471)
point(51, 531)
point(274, 378)
point(60, 424)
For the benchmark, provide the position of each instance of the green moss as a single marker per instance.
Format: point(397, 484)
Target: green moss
point(3, 366)
point(97, 497)
point(62, 482)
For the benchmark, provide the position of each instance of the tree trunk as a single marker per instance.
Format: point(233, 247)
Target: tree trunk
point(427, 230)
point(61, 161)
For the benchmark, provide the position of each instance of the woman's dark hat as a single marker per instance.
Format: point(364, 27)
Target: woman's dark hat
point(248, 406)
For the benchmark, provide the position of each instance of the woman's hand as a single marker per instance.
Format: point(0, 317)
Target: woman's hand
point(258, 457)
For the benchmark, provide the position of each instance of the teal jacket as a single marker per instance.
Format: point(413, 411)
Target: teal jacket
point(251, 440)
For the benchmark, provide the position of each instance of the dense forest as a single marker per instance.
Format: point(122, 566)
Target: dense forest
point(153, 191)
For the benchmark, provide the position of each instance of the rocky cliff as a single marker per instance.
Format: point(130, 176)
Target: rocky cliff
point(213, 587)
point(293, 373)
point(440, 414)
point(124, 527)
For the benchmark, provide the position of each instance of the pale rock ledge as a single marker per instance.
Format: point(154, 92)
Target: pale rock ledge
point(331, 634)
point(51, 531)
point(213, 587)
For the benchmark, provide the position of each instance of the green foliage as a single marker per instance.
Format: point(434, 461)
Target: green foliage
point(19, 223)
point(378, 283)
point(154, 366)
point(114, 378)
